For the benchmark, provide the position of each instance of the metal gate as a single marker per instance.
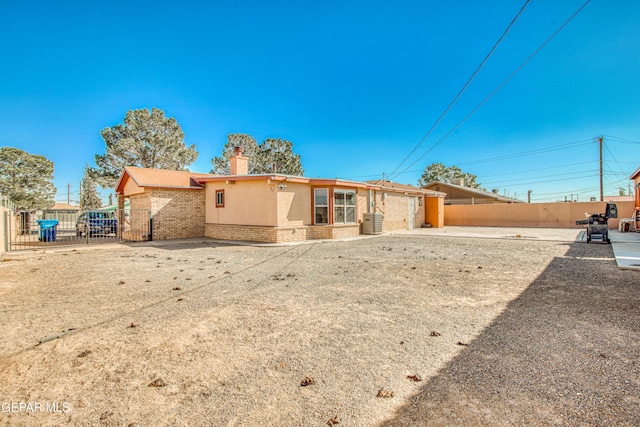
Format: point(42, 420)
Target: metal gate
point(43, 229)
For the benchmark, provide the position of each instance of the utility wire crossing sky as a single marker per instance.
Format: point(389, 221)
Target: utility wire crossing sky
point(516, 93)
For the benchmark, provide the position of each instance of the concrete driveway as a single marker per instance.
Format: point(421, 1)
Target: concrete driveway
point(626, 246)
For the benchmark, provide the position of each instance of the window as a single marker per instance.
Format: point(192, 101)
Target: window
point(321, 205)
point(344, 206)
point(219, 198)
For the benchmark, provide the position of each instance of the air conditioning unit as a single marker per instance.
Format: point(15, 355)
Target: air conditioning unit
point(372, 223)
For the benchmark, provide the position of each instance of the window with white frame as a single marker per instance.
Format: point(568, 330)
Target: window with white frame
point(219, 198)
point(321, 206)
point(344, 206)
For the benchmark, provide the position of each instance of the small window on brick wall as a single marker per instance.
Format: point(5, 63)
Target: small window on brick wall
point(219, 198)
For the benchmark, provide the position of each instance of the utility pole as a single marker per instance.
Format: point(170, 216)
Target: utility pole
point(529, 196)
point(80, 201)
point(69, 193)
point(601, 141)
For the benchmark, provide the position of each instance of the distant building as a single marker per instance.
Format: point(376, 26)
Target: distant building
point(459, 194)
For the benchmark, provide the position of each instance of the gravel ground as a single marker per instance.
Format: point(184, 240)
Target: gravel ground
point(398, 330)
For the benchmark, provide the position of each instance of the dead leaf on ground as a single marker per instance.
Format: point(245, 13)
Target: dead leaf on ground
point(461, 343)
point(133, 325)
point(85, 353)
point(435, 334)
point(177, 288)
point(385, 393)
point(415, 377)
point(158, 382)
point(333, 421)
point(307, 381)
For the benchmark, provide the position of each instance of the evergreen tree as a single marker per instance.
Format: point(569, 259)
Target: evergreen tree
point(441, 173)
point(147, 140)
point(272, 155)
point(26, 179)
point(90, 199)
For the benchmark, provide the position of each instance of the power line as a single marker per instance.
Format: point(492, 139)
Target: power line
point(512, 181)
point(537, 169)
point(529, 153)
point(623, 140)
point(550, 180)
point(475, 73)
point(494, 91)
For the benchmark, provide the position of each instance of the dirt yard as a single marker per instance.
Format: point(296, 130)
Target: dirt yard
point(392, 330)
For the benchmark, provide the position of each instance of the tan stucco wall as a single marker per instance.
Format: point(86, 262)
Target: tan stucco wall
point(246, 202)
point(130, 187)
point(362, 198)
point(530, 214)
point(294, 204)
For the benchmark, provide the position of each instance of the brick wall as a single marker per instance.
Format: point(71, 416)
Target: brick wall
point(139, 201)
point(176, 214)
point(279, 234)
point(395, 210)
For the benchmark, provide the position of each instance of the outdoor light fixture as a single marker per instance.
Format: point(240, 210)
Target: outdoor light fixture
point(282, 186)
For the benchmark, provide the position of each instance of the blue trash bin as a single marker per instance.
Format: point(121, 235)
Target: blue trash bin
point(48, 228)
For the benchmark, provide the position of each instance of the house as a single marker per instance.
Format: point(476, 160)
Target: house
point(459, 194)
point(270, 207)
point(174, 200)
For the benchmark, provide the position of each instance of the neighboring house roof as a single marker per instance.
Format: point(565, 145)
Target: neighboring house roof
point(401, 187)
point(635, 174)
point(473, 192)
point(158, 178)
point(63, 207)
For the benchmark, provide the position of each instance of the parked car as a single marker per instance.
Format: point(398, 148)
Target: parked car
point(96, 223)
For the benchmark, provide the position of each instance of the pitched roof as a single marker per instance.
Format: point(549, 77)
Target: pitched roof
point(400, 187)
point(476, 192)
point(635, 174)
point(159, 178)
point(63, 207)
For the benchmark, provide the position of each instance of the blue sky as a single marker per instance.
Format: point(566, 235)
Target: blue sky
point(354, 85)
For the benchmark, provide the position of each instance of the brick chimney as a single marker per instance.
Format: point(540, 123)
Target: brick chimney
point(238, 164)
